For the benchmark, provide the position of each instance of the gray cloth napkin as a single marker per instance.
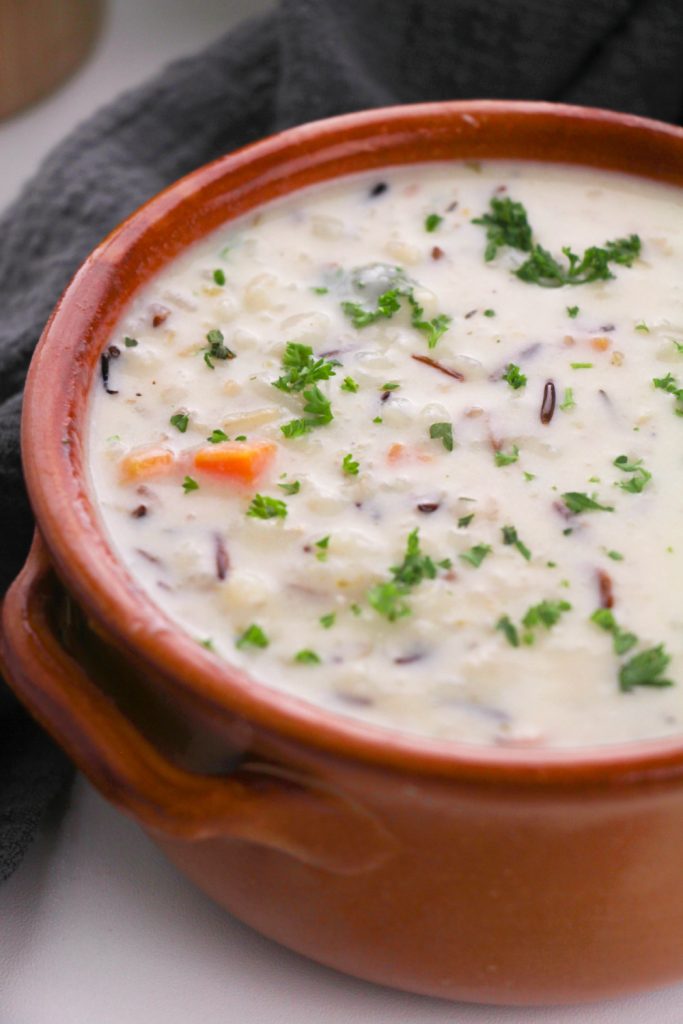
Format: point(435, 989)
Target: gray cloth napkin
point(307, 59)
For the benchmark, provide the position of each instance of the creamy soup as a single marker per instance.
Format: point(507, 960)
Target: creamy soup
point(410, 446)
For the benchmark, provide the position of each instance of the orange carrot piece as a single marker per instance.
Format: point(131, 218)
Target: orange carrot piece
point(152, 460)
point(600, 344)
point(236, 460)
point(396, 452)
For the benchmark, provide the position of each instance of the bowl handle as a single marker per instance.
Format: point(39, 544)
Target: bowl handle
point(261, 803)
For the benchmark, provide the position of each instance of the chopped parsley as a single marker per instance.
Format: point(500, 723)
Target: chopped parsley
point(572, 312)
point(616, 556)
point(319, 409)
point(320, 290)
point(567, 402)
point(442, 432)
point(465, 520)
point(514, 376)
point(217, 435)
point(327, 621)
point(292, 488)
point(216, 348)
point(503, 459)
point(253, 636)
point(510, 537)
point(391, 385)
point(219, 276)
point(432, 221)
point(180, 420)
point(622, 641)
point(130, 342)
point(645, 669)
point(349, 384)
point(189, 484)
point(389, 302)
point(476, 555)
point(377, 419)
point(509, 630)
point(640, 476)
point(506, 224)
point(302, 368)
point(389, 598)
point(489, 312)
point(669, 384)
point(581, 366)
point(322, 546)
point(578, 502)
point(307, 657)
point(263, 507)
point(642, 326)
point(349, 465)
point(546, 613)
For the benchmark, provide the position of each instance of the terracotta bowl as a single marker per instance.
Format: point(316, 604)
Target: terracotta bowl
point(474, 873)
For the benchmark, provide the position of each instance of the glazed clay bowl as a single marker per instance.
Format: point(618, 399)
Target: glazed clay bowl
point(475, 873)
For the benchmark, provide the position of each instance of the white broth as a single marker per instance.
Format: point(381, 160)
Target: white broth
point(415, 469)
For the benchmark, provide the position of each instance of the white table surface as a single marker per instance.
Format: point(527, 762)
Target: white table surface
point(95, 926)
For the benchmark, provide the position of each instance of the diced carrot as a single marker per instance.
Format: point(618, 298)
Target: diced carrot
point(152, 460)
point(236, 460)
point(398, 452)
point(600, 344)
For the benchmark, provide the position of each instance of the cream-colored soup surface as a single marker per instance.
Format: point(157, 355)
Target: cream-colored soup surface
point(483, 453)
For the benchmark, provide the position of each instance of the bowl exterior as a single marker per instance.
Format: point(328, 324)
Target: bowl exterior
point(495, 875)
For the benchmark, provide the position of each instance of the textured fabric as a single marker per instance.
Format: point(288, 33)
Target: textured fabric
point(308, 59)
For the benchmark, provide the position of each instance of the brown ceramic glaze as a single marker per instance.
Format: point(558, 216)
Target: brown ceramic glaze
point(488, 874)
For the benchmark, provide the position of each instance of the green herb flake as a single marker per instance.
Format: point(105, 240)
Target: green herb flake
point(509, 630)
point(322, 546)
point(130, 342)
point(642, 326)
point(567, 402)
point(320, 290)
point(295, 428)
point(514, 376)
point(388, 600)
point(389, 303)
point(302, 369)
point(263, 507)
point(578, 502)
point(217, 435)
point(216, 349)
point(350, 385)
point(572, 312)
point(355, 609)
point(622, 641)
point(645, 669)
point(529, 476)
point(546, 613)
point(581, 366)
point(506, 459)
point(391, 385)
point(543, 269)
point(180, 420)
point(253, 636)
point(292, 488)
point(327, 621)
point(506, 224)
point(510, 537)
point(489, 312)
point(465, 520)
point(476, 555)
point(207, 643)
point(616, 556)
point(378, 419)
point(307, 657)
point(432, 221)
point(219, 277)
point(640, 476)
point(189, 484)
point(442, 432)
point(349, 465)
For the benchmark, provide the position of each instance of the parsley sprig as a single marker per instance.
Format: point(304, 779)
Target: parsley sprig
point(302, 368)
point(638, 481)
point(216, 349)
point(264, 507)
point(507, 224)
point(388, 303)
point(388, 598)
point(510, 537)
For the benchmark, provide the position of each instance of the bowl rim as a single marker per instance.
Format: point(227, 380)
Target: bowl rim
point(68, 352)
